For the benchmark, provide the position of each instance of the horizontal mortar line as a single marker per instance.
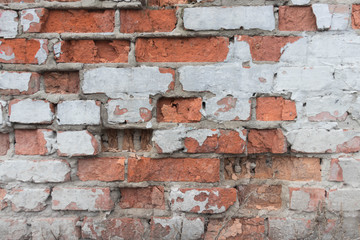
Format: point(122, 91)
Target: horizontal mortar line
point(74, 5)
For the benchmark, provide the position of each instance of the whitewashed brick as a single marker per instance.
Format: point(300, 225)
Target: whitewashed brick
point(15, 80)
point(300, 2)
point(344, 199)
point(348, 76)
point(192, 228)
point(288, 228)
point(78, 112)
point(131, 110)
point(8, 23)
point(348, 168)
point(77, 143)
point(48, 228)
point(173, 224)
point(38, 171)
point(30, 111)
point(2, 106)
point(28, 199)
point(168, 141)
point(216, 18)
point(333, 17)
point(11, 228)
point(122, 82)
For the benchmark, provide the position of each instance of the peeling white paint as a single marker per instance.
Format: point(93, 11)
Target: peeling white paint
point(8, 24)
point(25, 22)
point(41, 54)
point(15, 80)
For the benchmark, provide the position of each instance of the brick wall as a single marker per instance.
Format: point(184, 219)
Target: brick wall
point(179, 119)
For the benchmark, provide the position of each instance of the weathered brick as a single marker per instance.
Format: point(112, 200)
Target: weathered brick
point(4, 143)
point(3, 203)
point(61, 82)
point(162, 3)
point(296, 19)
point(118, 82)
point(179, 110)
point(3, 104)
point(344, 199)
point(77, 143)
point(59, 227)
point(31, 111)
point(15, 83)
point(260, 196)
point(235, 17)
point(16, 1)
point(34, 142)
point(275, 109)
point(78, 112)
point(38, 171)
point(101, 169)
point(236, 228)
point(163, 20)
point(212, 49)
point(129, 110)
point(8, 23)
point(11, 228)
point(267, 140)
point(335, 172)
point(31, 51)
point(92, 51)
point(331, 17)
point(345, 169)
point(113, 228)
point(266, 48)
point(149, 197)
point(81, 198)
point(289, 228)
point(355, 16)
point(78, 21)
point(28, 199)
point(306, 199)
point(202, 200)
point(174, 169)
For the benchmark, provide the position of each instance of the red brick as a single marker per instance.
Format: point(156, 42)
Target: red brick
point(355, 17)
point(283, 168)
point(266, 48)
point(336, 172)
point(267, 140)
point(162, 3)
point(93, 51)
point(275, 109)
point(101, 169)
point(266, 197)
point(32, 20)
point(174, 169)
point(202, 200)
point(77, 21)
point(33, 86)
point(296, 19)
point(23, 51)
point(163, 20)
point(316, 197)
point(149, 197)
point(113, 228)
point(31, 142)
point(61, 82)
point(236, 228)
point(225, 141)
point(212, 49)
point(4, 143)
point(3, 203)
point(182, 110)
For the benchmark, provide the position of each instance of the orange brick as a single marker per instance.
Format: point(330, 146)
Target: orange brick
point(275, 109)
point(260, 196)
point(148, 198)
point(31, 142)
point(266, 140)
point(212, 49)
point(179, 110)
point(163, 20)
point(93, 51)
point(174, 169)
point(101, 169)
point(355, 17)
point(4, 143)
point(296, 19)
point(162, 3)
point(61, 82)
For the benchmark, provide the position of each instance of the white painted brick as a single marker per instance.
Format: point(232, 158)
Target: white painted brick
point(300, 200)
point(344, 199)
point(131, 110)
point(122, 82)
point(15, 80)
point(30, 111)
point(28, 199)
point(192, 229)
point(350, 168)
point(348, 76)
point(47, 228)
point(169, 140)
point(77, 143)
point(239, 51)
point(13, 228)
point(288, 228)
point(38, 171)
point(216, 18)
point(173, 226)
point(8, 23)
point(323, 141)
point(78, 112)
point(333, 17)
point(323, 15)
point(300, 2)
point(29, 17)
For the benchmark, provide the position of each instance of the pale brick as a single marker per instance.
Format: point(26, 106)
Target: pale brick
point(349, 77)
point(216, 18)
point(91, 199)
point(166, 228)
point(323, 141)
point(122, 82)
point(300, 2)
point(15, 83)
point(131, 110)
point(28, 199)
point(11, 228)
point(306, 199)
point(8, 23)
point(168, 141)
point(288, 228)
point(77, 143)
point(38, 171)
point(192, 228)
point(78, 112)
point(345, 170)
point(55, 228)
point(30, 111)
point(2, 106)
point(344, 199)
point(332, 17)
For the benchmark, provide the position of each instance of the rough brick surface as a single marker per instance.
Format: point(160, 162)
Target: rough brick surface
point(275, 109)
point(30, 111)
point(34, 142)
point(64, 227)
point(296, 19)
point(260, 196)
point(61, 82)
point(28, 199)
point(9, 23)
point(78, 112)
point(272, 140)
point(77, 143)
point(15, 83)
point(306, 199)
point(4, 143)
point(179, 110)
point(150, 197)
